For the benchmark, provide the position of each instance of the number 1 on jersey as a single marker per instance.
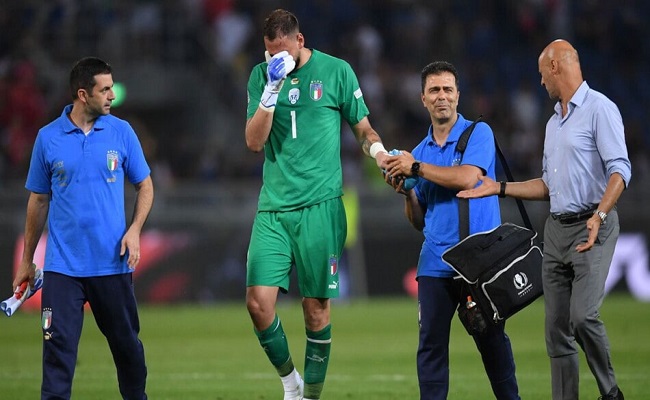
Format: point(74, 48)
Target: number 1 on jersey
point(293, 124)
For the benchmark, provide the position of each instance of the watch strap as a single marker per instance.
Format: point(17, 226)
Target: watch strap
point(502, 189)
point(415, 168)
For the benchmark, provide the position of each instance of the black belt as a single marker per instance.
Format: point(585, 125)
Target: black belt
point(572, 218)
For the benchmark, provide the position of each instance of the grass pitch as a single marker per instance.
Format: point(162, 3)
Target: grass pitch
point(211, 353)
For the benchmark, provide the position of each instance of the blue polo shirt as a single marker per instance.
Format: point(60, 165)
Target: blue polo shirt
point(441, 228)
point(84, 175)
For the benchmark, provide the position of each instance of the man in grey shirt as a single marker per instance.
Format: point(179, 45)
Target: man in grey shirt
point(585, 170)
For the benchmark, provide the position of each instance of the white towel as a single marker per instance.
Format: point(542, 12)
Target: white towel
point(22, 293)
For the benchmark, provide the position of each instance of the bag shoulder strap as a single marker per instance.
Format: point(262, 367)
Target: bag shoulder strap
point(506, 169)
point(463, 204)
point(464, 137)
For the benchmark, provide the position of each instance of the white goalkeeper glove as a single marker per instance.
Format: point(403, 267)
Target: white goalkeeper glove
point(280, 65)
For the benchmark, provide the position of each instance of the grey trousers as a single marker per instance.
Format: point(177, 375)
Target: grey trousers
point(574, 288)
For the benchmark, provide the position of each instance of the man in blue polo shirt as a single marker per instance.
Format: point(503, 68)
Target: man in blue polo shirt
point(76, 177)
point(432, 207)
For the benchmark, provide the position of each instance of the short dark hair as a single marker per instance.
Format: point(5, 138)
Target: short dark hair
point(437, 68)
point(83, 74)
point(280, 23)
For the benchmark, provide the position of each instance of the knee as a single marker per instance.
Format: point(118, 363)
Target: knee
point(253, 305)
point(259, 307)
point(583, 323)
point(262, 315)
point(580, 320)
point(315, 321)
point(316, 314)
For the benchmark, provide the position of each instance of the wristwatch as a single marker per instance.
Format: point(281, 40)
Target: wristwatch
point(602, 215)
point(415, 168)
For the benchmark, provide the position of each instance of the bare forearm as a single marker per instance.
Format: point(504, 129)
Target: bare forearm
point(534, 189)
point(143, 203)
point(413, 211)
point(456, 178)
point(38, 206)
point(615, 187)
point(258, 129)
point(366, 139)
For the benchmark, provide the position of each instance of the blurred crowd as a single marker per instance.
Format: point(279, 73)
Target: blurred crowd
point(493, 43)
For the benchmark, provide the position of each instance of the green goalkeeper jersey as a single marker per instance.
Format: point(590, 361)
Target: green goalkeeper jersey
point(302, 164)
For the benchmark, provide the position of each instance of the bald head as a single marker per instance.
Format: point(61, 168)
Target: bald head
point(561, 51)
point(559, 67)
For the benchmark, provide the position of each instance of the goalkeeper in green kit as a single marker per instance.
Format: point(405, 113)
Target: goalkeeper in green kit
point(295, 103)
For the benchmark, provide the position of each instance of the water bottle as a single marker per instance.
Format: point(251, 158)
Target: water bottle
point(476, 322)
point(470, 303)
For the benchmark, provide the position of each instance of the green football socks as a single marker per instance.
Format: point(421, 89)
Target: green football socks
point(275, 345)
point(317, 357)
point(317, 353)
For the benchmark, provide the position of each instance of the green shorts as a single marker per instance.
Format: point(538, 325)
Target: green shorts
point(310, 238)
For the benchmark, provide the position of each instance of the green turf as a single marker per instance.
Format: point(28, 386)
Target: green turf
point(211, 353)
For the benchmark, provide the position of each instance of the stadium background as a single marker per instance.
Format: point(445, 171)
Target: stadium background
point(184, 66)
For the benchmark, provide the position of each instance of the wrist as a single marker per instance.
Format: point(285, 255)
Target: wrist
point(602, 215)
point(415, 168)
point(269, 99)
point(502, 189)
point(376, 148)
